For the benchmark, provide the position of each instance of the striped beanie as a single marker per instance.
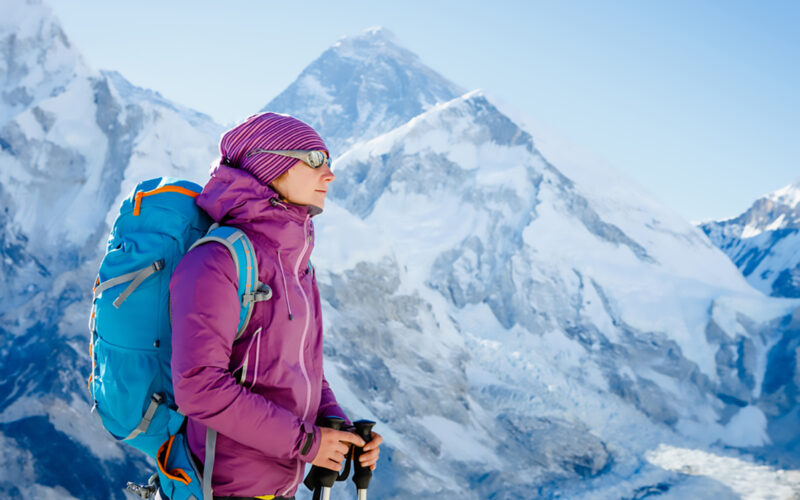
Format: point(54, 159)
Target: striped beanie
point(267, 131)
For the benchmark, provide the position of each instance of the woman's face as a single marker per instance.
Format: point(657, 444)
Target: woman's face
point(303, 185)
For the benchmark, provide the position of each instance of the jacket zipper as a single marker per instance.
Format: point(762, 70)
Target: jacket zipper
point(243, 367)
point(303, 369)
point(285, 288)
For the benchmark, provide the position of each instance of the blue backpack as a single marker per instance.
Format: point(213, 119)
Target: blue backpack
point(131, 347)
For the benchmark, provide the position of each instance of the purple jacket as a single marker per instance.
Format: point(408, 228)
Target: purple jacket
point(264, 408)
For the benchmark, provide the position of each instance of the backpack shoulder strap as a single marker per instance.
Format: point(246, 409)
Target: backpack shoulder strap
point(244, 259)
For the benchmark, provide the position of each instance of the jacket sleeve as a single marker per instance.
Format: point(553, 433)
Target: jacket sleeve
point(328, 407)
point(205, 308)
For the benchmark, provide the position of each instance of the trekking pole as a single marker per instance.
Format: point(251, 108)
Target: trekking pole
point(319, 479)
point(361, 474)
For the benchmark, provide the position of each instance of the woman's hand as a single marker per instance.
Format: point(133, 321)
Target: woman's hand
point(371, 452)
point(334, 447)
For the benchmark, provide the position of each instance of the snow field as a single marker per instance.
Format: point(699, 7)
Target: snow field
point(746, 479)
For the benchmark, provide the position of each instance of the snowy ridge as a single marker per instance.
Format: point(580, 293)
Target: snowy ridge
point(763, 241)
point(130, 93)
point(84, 158)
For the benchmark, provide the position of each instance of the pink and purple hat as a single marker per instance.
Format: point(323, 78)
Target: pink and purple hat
point(270, 131)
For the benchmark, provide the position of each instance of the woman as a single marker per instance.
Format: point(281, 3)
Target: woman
point(263, 393)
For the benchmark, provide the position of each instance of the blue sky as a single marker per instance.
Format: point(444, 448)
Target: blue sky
point(698, 101)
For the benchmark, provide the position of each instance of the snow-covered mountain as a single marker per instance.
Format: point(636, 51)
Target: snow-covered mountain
point(520, 322)
point(571, 327)
point(764, 241)
point(73, 142)
point(37, 61)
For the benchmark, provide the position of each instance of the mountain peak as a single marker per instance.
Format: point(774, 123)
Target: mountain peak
point(369, 43)
point(763, 240)
point(377, 33)
point(362, 87)
point(787, 195)
point(37, 60)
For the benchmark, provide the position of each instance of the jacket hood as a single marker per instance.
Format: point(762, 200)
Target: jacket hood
point(234, 197)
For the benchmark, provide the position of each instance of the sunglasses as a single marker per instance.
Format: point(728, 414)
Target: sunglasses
point(310, 157)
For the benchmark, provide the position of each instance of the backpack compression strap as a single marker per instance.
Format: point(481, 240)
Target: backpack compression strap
point(244, 258)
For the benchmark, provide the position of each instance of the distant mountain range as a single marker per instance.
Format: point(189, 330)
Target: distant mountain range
point(764, 241)
point(518, 323)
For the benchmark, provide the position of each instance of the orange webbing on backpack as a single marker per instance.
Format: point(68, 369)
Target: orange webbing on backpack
point(91, 358)
point(163, 456)
point(165, 189)
point(91, 340)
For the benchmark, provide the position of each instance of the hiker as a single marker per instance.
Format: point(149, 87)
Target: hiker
point(264, 393)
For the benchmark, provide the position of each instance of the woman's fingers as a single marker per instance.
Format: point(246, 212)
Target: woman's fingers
point(371, 451)
point(348, 437)
point(335, 447)
point(333, 465)
point(340, 448)
point(376, 441)
point(369, 458)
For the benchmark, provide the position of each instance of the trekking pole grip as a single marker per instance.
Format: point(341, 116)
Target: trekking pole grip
point(361, 474)
point(320, 477)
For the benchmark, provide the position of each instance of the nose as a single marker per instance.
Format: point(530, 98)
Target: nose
point(327, 173)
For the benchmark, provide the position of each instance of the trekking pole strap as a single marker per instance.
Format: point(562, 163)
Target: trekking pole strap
point(346, 470)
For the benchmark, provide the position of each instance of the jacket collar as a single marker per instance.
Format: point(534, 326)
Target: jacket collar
point(234, 197)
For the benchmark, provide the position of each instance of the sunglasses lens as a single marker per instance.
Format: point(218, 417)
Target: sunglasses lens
point(316, 159)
